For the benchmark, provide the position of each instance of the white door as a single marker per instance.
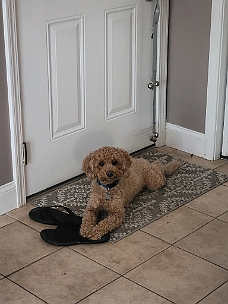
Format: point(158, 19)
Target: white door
point(84, 70)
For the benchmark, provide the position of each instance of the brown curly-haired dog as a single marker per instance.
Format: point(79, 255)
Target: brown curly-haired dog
point(116, 179)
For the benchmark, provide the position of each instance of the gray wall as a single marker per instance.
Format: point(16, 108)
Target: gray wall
point(6, 175)
point(189, 35)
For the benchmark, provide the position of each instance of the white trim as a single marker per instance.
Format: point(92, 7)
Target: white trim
point(211, 142)
point(162, 70)
point(185, 140)
point(8, 197)
point(216, 79)
point(12, 68)
point(225, 127)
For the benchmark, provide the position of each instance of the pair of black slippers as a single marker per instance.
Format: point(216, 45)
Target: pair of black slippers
point(68, 225)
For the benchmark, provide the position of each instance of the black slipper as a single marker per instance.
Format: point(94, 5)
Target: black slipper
point(53, 216)
point(68, 234)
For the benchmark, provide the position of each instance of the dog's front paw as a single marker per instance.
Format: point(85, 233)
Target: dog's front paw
point(96, 236)
point(85, 232)
point(92, 232)
point(96, 233)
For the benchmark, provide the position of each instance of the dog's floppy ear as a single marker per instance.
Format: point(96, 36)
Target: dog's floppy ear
point(88, 166)
point(127, 161)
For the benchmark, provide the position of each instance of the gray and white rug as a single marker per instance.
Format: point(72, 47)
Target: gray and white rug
point(189, 182)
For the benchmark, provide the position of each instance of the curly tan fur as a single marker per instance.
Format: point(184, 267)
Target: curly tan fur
point(107, 165)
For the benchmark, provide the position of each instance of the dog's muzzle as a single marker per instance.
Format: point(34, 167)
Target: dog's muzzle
point(110, 173)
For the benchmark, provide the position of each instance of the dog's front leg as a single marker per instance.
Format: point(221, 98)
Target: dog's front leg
point(89, 218)
point(113, 220)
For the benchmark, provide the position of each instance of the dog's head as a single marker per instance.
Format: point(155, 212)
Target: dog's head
point(107, 164)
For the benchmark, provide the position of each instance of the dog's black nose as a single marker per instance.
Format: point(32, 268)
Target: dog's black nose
point(109, 173)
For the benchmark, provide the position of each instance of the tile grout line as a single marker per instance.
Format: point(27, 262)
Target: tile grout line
point(99, 263)
point(204, 259)
point(123, 274)
point(213, 219)
point(26, 290)
point(98, 289)
point(158, 238)
point(212, 292)
point(25, 266)
point(148, 289)
point(175, 245)
point(150, 258)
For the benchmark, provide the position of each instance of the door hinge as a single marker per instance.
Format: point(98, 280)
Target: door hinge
point(154, 137)
point(24, 154)
point(153, 84)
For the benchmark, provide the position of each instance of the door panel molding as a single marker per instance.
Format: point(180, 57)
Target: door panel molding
point(65, 47)
point(120, 61)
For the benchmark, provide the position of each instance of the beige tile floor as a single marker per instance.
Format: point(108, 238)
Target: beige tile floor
point(180, 258)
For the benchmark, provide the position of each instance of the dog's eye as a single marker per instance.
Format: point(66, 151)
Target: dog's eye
point(101, 164)
point(114, 162)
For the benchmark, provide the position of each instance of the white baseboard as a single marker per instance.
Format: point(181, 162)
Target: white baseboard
point(8, 197)
point(185, 140)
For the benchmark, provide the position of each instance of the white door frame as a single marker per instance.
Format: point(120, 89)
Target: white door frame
point(162, 57)
point(14, 98)
point(13, 82)
point(217, 72)
point(225, 127)
point(208, 144)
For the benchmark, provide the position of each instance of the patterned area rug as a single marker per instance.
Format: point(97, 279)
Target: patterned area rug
point(189, 182)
